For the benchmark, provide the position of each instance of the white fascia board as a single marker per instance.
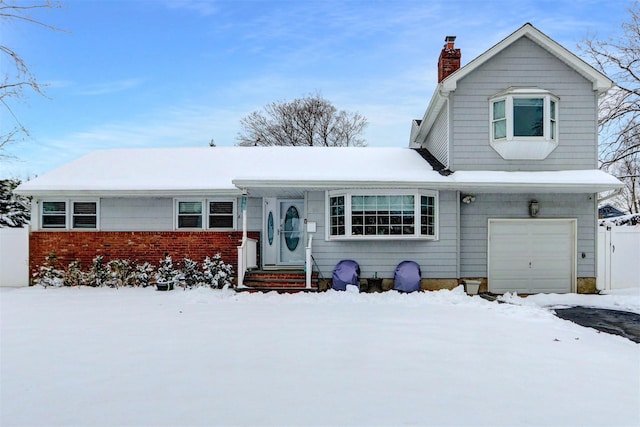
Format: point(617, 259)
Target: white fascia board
point(533, 188)
point(601, 83)
point(332, 185)
point(435, 105)
point(128, 193)
point(446, 184)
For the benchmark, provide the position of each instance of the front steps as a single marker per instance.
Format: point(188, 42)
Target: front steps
point(283, 281)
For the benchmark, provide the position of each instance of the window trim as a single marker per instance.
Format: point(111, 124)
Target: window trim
point(68, 214)
point(513, 147)
point(205, 226)
point(176, 213)
point(348, 215)
point(72, 214)
point(234, 214)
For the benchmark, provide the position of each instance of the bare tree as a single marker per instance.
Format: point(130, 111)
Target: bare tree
point(619, 118)
point(309, 121)
point(18, 76)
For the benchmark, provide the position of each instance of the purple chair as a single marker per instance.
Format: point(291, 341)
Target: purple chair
point(347, 272)
point(407, 277)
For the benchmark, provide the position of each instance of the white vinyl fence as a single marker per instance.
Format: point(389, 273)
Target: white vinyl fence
point(618, 257)
point(14, 256)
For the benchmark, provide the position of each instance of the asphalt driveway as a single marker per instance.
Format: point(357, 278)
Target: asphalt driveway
point(615, 322)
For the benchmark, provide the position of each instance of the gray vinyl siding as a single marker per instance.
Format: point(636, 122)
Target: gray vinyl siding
point(524, 64)
point(136, 214)
point(156, 214)
point(474, 222)
point(437, 259)
point(438, 137)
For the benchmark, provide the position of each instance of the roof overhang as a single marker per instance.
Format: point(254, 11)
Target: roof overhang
point(80, 192)
point(573, 181)
point(576, 181)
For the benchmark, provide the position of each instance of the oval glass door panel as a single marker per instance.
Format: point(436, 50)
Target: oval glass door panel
point(270, 228)
point(291, 228)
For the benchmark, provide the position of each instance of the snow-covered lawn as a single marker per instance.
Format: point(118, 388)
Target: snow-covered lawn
point(138, 357)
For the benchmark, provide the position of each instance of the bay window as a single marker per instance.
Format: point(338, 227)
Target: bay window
point(524, 123)
point(377, 215)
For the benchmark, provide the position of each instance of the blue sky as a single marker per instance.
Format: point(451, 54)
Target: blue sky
point(180, 72)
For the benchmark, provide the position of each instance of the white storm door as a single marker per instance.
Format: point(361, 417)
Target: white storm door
point(270, 232)
point(290, 232)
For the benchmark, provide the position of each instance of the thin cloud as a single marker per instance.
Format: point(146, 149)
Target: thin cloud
point(110, 87)
point(204, 8)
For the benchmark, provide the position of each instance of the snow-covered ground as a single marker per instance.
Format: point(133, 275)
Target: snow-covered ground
point(138, 357)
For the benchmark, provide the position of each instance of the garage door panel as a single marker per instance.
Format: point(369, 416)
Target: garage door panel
point(531, 256)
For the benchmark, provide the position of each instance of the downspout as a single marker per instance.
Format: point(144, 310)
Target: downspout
point(458, 234)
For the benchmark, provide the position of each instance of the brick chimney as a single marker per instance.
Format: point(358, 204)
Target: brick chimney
point(449, 60)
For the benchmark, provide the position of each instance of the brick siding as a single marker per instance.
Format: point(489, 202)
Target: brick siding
point(135, 246)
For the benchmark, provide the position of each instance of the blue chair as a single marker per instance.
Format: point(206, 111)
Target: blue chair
point(407, 277)
point(347, 272)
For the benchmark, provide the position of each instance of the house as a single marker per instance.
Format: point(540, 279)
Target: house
point(499, 184)
point(609, 211)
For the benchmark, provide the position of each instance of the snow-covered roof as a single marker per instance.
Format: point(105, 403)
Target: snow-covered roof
point(198, 170)
point(226, 170)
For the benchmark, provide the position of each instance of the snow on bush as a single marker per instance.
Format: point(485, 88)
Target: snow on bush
point(631, 219)
point(213, 272)
point(217, 274)
point(50, 274)
point(15, 211)
point(191, 274)
point(167, 273)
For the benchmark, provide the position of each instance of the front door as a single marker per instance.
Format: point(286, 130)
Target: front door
point(284, 232)
point(291, 236)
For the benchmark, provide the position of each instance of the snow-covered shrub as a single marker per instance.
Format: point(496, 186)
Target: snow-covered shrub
point(98, 275)
point(217, 274)
point(15, 211)
point(119, 273)
point(141, 275)
point(74, 276)
point(191, 273)
point(167, 273)
point(49, 274)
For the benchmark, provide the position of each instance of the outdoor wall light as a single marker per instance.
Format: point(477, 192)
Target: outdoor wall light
point(468, 199)
point(534, 208)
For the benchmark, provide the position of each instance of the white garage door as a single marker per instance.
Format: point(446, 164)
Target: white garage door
point(532, 256)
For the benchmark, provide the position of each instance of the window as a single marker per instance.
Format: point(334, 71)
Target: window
point(336, 216)
point(54, 214)
point(74, 214)
point(524, 123)
point(382, 216)
point(189, 214)
point(85, 215)
point(221, 214)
